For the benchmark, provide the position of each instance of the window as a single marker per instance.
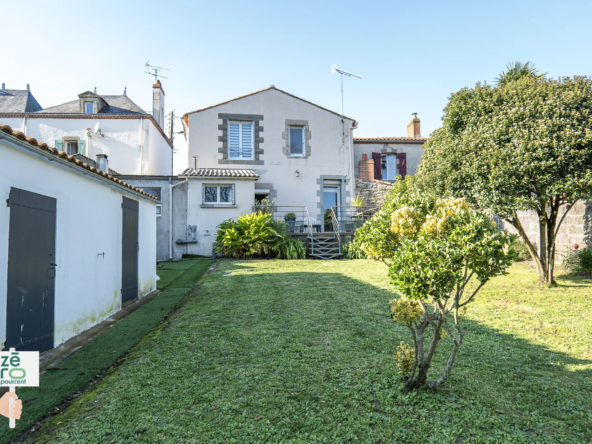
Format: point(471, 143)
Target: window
point(153, 191)
point(218, 194)
point(88, 107)
point(389, 167)
point(71, 147)
point(158, 210)
point(240, 140)
point(297, 140)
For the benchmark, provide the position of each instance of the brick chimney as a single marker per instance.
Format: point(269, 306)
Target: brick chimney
point(158, 103)
point(366, 169)
point(414, 127)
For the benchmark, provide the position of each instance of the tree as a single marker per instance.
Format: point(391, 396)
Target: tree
point(523, 145)
point(515, 71)
point(445, 255)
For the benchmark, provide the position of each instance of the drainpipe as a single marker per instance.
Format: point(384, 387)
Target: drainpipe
point(353, 167)
point(171, 186)
point(25, 125)
point(141, 145)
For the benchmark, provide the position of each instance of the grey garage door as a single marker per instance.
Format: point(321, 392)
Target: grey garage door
point(130, 248)
point(31, 271)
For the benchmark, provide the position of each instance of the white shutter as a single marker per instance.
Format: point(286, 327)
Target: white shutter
point(247, 140)
point(234, 151)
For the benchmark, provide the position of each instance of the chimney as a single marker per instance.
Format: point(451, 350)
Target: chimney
point(158, 103)
point(414, 127)
point(103, 163)
point(3, 85)
point(28, 89)
point(366, 169)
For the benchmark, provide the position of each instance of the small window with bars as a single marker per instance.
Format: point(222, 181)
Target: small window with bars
point(240, 140)
point(217, 194)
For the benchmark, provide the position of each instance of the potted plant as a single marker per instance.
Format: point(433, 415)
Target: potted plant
point(290, 219)
point(328, 220)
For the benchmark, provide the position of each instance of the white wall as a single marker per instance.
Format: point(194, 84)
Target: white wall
point(134, 146)
point(87, 286)
point(207, 219)
point(330, 155)
point(414, 152)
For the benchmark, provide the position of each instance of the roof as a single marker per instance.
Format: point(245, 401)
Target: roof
point(121, 104)
point(220, 172)
point(390, 139)
point(92, 163)
point(18, 101)
point(260, 91)
point(43, 147)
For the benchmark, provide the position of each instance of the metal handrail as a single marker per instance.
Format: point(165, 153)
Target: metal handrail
point(335, 223)
point(352, 217)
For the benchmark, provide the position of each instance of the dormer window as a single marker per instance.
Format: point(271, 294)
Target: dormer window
point(88, 107)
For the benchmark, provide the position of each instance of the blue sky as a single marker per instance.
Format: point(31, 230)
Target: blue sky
point(412, 55)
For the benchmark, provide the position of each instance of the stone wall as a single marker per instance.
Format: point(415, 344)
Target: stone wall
point(373, 193)
point(575, 229)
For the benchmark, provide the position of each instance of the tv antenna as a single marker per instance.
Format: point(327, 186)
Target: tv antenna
point(336, 69)
point(155, 70)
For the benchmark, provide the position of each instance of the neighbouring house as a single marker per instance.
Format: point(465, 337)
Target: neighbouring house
point(76, 243)
point(265, 144)
point(96, 125)
point(379, 160)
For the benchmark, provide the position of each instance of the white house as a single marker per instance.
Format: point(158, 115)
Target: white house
point(266, 144)
point(92, 125)
point(75, 244)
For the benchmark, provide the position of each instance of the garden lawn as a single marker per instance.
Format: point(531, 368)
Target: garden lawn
point(77, 370)
point(302, 351)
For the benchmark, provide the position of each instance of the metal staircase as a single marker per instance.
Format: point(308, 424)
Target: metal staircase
point(324, 246)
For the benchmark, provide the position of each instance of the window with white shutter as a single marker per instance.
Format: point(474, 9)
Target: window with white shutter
point(240, 140)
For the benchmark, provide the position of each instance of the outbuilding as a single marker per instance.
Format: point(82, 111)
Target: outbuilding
point(76, 244)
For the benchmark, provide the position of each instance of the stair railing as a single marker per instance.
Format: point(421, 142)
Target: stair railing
point(335, 224)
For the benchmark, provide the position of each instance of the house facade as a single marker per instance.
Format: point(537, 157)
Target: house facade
point(75, 244)
point(96, 125)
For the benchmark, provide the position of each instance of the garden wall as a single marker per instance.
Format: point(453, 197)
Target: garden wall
point(374, 192)
point(575, 229)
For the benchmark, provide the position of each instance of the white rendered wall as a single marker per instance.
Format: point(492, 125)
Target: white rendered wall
point(87, 286)
point(134, 146)
point(330, 154)
point(207, 219)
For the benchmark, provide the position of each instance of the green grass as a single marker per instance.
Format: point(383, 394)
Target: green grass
point(72, 374)
point(301, 351)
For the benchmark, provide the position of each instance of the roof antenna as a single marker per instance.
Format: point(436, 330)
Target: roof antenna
point(155, 70)
point(335, 69)
point(125, 91)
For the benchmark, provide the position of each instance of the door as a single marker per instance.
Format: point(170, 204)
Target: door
point(129, 250)
point(31, 271)
point(331, 198)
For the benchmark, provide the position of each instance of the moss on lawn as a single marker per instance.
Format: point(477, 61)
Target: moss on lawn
point(302, 351)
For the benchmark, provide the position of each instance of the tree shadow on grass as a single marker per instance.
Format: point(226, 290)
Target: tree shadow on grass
point(299, 352)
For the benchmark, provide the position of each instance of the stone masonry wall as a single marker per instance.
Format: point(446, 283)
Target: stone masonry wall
point(373, 193)
point(575, 229)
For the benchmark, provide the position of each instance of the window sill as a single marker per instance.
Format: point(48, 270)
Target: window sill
point(217, 206)
point(297, 155)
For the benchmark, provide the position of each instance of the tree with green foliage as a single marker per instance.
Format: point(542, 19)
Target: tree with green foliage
point(517, 70)
point(525, 144)
point(446, 252)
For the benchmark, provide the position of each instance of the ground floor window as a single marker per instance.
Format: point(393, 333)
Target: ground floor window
point(218, 194)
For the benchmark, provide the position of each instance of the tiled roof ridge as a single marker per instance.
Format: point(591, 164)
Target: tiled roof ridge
point(44, 147)
point(390, 138)
point(260, 91)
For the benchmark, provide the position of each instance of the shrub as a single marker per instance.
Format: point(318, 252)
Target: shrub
point(253, 235)
point(352, 251)
point(290, 248)
point(520, 251)
point(438, 246)
point(580, 261)
point(266, 206)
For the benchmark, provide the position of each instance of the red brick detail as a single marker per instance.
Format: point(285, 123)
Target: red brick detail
point(366, 169)
point(414, 128)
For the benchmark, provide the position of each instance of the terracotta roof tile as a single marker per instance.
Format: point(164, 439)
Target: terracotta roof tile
point(390, 139)
point(220, 172)
point(43, 146)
